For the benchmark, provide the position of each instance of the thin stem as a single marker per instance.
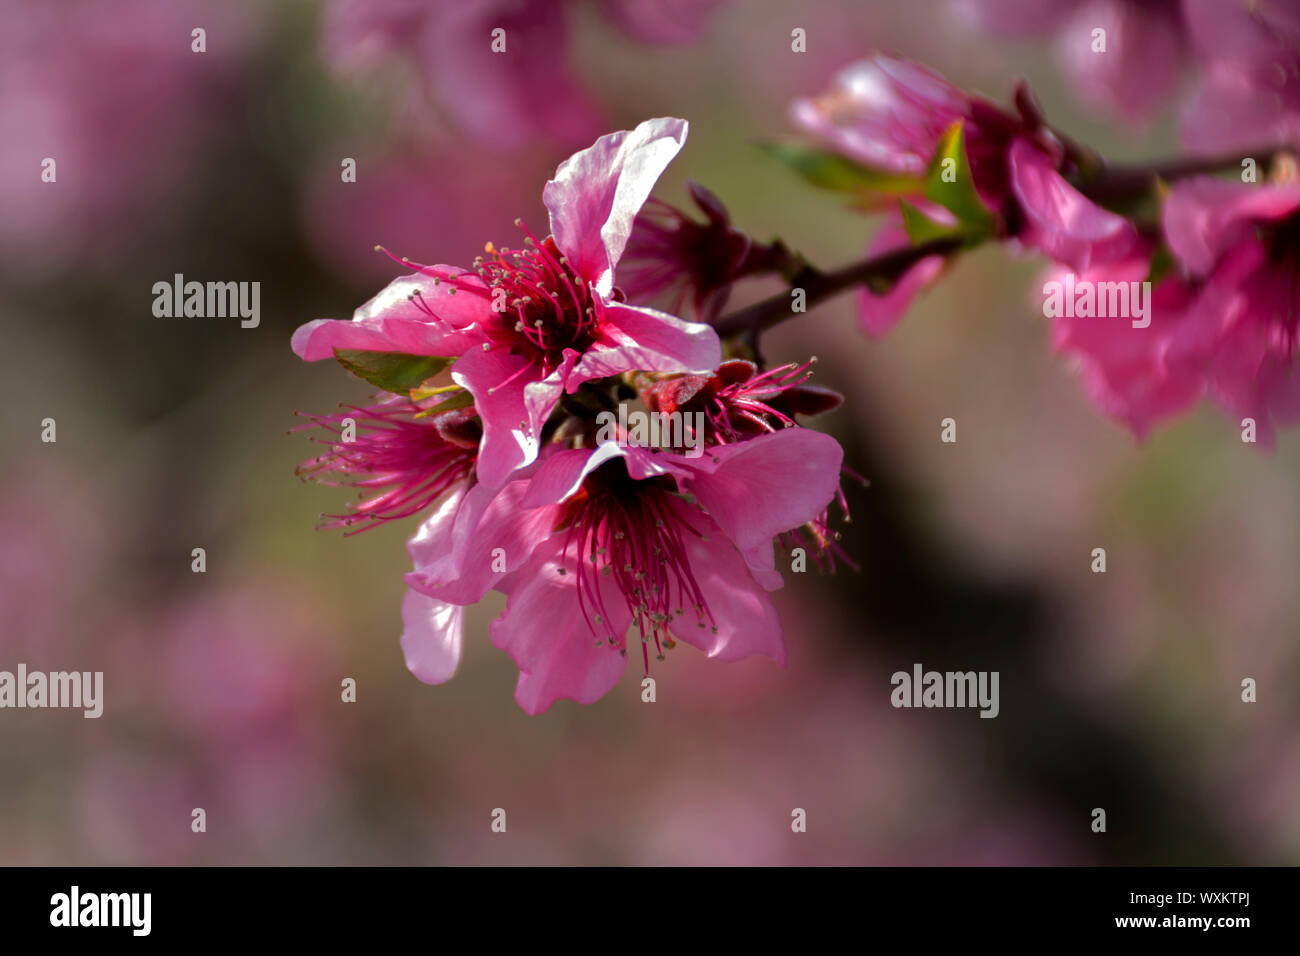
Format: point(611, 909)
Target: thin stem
point(817, 286)
point(1112, 183)
point(1125, 181)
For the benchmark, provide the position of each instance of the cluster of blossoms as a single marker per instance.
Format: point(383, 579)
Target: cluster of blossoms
point(1222, 255)
point(449, 78)
point(497, 376)
point(1128, 57)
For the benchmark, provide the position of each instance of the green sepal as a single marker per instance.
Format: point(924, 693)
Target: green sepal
point(394, 372)
point(959, 197)
point(836, 173)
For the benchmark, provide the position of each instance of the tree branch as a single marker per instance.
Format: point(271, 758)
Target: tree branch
point(1127, 180)
point(817, 285)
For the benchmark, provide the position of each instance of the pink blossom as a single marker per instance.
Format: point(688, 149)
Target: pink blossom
point(528, 325)
point(1225, 326)
point(879, 311)
point(1146, 46)
point(1124, 367)
point(1239, 243)
point(622, 537)
point(889, 114)
point(669, 253)
point(407, 463)
point(739, 401)
point(504, 97)
point(1060, 221)
point(1248, 94)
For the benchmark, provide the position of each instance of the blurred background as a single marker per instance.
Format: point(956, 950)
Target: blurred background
point(222, 689)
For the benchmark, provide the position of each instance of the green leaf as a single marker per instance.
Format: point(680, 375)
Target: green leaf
point(462, 399)
point(394, 372)
point(949, 182)
point(837, 173)
point(921, 228)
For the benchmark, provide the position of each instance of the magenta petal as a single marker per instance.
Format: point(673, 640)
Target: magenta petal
point(1017, 18)
point(1222, 303)
point(1059, 220)
point(645, 339)
point(541, 395)
point(1278, 395)
point(1246, 375)
point(432, 540)
point(745, 619)
point(431, 637)
point(562, 473)
point(391, 322)
point(596, 194)
point(880, 313)
point(547, 636)
point(1203, 217)
point(762, 565)
point(492, 537)
point(886, 112)
point(757, 489)
point(1241, 107)
point(1124, 368)
point(497, 379)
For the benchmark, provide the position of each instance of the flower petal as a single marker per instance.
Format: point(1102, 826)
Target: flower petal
point(497, 381)
point(1059, 220)
point(431, 637)
point(644, 339)
point(492, 537)
point(1142, 60)
point(1125, 368)
point(758, 488)
point(878, 313)
point(762, 565)
point(596, 194)
point(653, 21)
point(550, 640)
point(563, 472)
point(432, 539)
point(745, 619)
point(1204, 217)
point(391, 322)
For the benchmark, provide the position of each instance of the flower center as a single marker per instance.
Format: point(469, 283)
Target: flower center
point(633, 532)
point(553, 308)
